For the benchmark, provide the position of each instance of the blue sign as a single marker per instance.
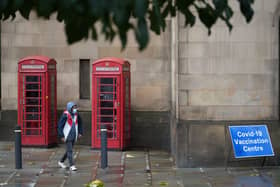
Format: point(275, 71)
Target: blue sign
point(251, 141)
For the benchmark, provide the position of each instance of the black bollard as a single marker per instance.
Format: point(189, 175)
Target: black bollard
point(18, 156)
point(104, 150)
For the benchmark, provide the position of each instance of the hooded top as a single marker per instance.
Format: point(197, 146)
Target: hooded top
point(69, 106)
point(65, 122)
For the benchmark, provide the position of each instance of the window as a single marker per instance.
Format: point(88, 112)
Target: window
point(84, 79)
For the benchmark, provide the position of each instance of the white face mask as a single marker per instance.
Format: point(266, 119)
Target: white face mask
point(75, 111)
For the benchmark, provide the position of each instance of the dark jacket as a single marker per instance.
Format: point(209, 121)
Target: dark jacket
point(62, 122)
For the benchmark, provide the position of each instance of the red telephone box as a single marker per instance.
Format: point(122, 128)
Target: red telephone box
point(37, 101)
point(111, 102)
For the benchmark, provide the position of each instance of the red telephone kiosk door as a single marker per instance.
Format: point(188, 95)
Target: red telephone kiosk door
point(37, 101)
point(108, 107)
point(31, 102)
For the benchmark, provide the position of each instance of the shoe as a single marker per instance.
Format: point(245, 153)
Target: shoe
point(61, 164)
point(73, 168)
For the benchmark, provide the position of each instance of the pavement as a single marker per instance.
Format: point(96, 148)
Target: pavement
point(132, 168)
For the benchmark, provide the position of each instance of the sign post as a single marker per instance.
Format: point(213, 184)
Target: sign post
point(251, 141)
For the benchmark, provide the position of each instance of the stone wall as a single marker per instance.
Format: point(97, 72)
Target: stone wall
point(150, 75)
point(144, 127)
point(208, 144)
point(150, 69)
point(230, 75)
point(200, 83)
point(227, 78)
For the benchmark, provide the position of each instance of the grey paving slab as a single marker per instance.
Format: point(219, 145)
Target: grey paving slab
point(135, 166)
point(240, 171)
point(135, 171)
point(6, 159)
point(190, 172)
point(26, 174)
point(195, 180)
point(221, 179)
point(197, 185)
point(162, 167)
point(5, 175)
point(215, 172)
point(77, 180)
point(21, 185)
point(6, 146)
point(252, 181)
point(165, 179)
point(53, 171)
point(50, 180)
point(110, 177)
point(126, 169)
point(135, 178)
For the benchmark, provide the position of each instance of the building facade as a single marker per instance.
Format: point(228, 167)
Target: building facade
point(186, 87)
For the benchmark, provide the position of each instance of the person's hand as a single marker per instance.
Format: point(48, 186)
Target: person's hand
point(63, 139)
point(79, 136)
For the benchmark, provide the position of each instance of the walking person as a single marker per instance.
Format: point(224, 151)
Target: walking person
point(70, 128)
